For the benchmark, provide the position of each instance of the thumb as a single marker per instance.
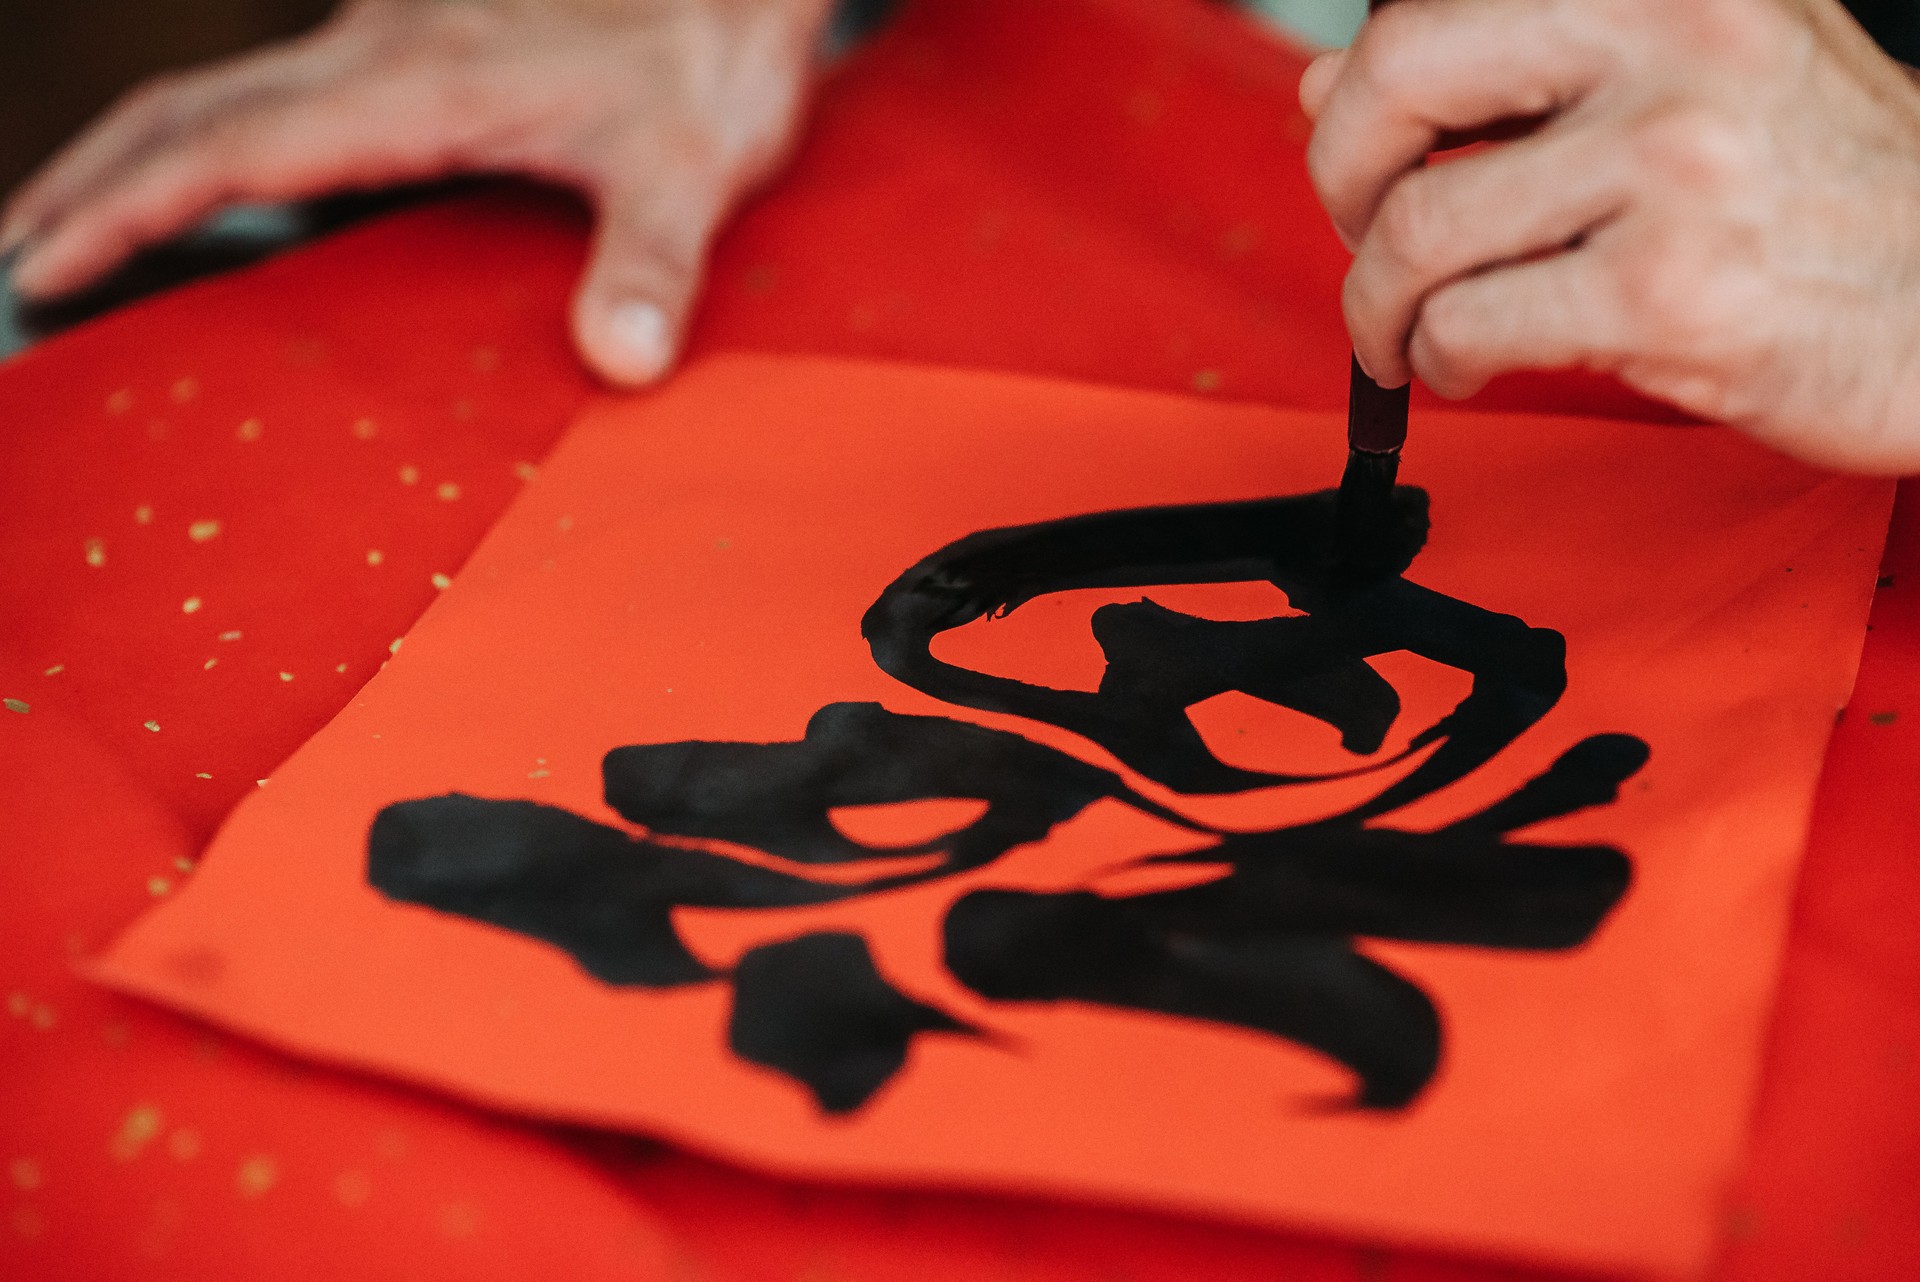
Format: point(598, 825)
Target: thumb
point(631, 312)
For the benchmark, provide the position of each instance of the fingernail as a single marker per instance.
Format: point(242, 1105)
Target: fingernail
point(639, 337)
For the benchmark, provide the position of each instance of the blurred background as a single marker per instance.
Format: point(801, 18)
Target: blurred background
point(61, 61)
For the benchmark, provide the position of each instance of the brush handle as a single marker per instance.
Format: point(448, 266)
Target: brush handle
point(1376, 415)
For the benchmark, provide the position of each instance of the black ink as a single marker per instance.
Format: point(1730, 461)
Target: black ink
point(776, 796)
point(1268, 945)
point(815, 1009)
point(592, 890)
point(1010, 945)
point(1157, 667)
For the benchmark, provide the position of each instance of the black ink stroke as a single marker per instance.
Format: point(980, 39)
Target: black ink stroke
point(816, 1009)
point(776, 797)
point(1160, 663)
point(1269, 944)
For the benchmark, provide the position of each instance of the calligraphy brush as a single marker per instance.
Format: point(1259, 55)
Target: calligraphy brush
point(1376, 429)
point(1364, 519)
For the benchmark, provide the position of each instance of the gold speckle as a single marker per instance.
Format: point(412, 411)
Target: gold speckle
point(190, 605)
point(201, 531)
point(201, 774)
point(184, 1144)
point(442, 582)
point(259, 783)
point(541, 773)
point(158, 887)
point(486, 359)
point(152, 725)
point(564, 524)
point(230, 636)
point(96, 552)
point(341, 668)
point(181, 862)
point(251, 430)
point(1206, 380)
point(121, 401)
point(257, 1174)
point(208, 665)
point(375, 556)
point(352, 1188)
point(447, 491)
point(394, 648)
point(185, 389)
point(286, 676)
point(525, 471)
point(55, 670)
point(409, 475)
point(16, 705)
point(143, 515)
point(365, 429)
point(136, 1132)
point(28, 1222)
point(26, 1173)
point(722, 545)
point(18, 1004)
point(459, 1219)
point(42, 1017)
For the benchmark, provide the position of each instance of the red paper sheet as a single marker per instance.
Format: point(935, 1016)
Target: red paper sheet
point(1512, 1001)
point(1145, 222)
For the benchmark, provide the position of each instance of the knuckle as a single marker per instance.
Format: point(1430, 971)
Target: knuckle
point(1412, 224)
point(159, 100)
point(1391, 48)
point(1737, 34)
point(465, 30)
point(1694, 149)
point(1673, 298)
point(1449, 337)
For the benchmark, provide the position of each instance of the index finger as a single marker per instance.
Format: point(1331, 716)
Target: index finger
point(1422, 70)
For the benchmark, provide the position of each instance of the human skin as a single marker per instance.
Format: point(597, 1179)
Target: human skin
point(1719, 204)
point(663, 114)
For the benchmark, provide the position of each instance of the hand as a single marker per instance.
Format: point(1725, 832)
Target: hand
point(1720, 204)
point(663, 113)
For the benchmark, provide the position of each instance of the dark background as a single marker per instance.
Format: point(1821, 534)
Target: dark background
point(61, 61)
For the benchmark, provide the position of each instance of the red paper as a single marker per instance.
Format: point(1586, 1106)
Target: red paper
point(695, 567)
